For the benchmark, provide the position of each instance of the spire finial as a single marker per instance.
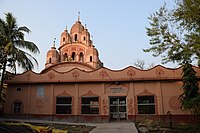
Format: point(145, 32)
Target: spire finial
point(92, 39)
point(54, 42)
point(86, 26)
point(66, 28)
point(78, 15)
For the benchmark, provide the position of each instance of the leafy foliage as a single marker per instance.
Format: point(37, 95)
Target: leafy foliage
point(14, 48)
point(190, 97)
point(175, 36)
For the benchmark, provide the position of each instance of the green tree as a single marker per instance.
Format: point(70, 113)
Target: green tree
point(190, 98)
point(187, 14)
point(14, 48)
point(175, 36)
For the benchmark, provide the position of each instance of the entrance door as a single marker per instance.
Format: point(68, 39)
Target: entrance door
point(118, 108)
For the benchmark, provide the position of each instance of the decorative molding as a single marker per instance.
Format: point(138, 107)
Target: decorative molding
point(103, 74)
point(90, 93)
point(145, 93)
point(73, 49)
point(28, 75)
point(51, 75)
point(81, 49)
point(130, 106)
point(159, 72)
point(64, 93)
point(75, 75)
point(105, 106)
point(135, 105)
point(65, 50)
point(174, 103)
point(131, 73)
point(156, 104)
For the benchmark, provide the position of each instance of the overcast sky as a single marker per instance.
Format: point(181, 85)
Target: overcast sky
point(117, 27)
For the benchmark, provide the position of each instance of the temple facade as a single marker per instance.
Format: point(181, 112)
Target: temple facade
point(75, 86)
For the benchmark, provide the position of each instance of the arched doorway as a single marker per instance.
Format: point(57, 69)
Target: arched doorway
point(73, 56)
point(81, 57)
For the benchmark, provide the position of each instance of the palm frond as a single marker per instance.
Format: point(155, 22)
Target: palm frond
point(25, 60)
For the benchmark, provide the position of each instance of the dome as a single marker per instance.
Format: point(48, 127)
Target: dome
point(64, 33)
point(96, 52)
point(65, 37)
point(85, 32)
point(77, 28)
point(52, 57)
point(52, 52)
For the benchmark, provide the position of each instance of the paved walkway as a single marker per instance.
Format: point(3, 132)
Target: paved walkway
point(114, 127)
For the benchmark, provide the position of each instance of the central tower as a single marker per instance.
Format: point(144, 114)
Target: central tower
point(75, 46)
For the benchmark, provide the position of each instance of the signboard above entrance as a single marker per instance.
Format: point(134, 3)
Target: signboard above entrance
point(116, 90)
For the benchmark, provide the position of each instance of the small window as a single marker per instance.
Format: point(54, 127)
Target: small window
point(90, 105)
point(63, 105)
point(18, 89)
point(17, 107)
point(63, 39)
point(49, 60)
point(146, 105)
point(65, 57)
point(40, 91)
point(75, 37)
point(84, 38)
point(73, 56)
point(90, 58)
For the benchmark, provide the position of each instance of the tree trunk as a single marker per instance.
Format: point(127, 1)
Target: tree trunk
point(2, 77)
point(1, 87)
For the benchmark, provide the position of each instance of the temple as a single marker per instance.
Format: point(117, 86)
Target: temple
point(74, 86)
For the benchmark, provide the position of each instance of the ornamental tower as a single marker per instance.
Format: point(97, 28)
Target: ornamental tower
point(53, 57)
point(75, 46)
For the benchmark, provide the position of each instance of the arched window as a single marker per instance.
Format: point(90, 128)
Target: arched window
point(84, 38)
point(75, 37)
point(81, 57)
point(65, 57)
point(90, 58)
point(63, 39)
point(49, 60)
point(73, 56)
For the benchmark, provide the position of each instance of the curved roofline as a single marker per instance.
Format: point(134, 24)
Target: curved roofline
point(61, 63)
point(28, 72)
point(145, 69)
point(93, 70)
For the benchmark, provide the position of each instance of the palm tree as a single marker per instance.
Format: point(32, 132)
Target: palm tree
point(14, 48)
